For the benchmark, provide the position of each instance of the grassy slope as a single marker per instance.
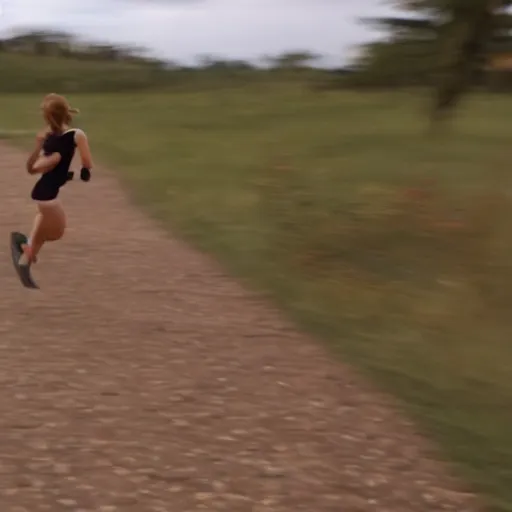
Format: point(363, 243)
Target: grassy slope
point(393, 247)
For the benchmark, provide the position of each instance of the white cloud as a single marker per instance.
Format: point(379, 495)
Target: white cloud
point(182, 29)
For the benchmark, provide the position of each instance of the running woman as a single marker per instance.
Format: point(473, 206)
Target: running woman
point(51, 158)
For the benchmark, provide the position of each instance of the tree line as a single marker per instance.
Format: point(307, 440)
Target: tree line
point(42, 60)
point(449, 46)
point(45, 43)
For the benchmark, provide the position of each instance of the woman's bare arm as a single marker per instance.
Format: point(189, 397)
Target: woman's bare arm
point(45, 163)
point(36, 153)
point(84, 150)
point(33, 164)
point(32, 160)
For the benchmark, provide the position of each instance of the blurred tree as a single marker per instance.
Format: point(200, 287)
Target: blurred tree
point(451, 37)
point(212, 63)
point(38, 42)
point(293, 60)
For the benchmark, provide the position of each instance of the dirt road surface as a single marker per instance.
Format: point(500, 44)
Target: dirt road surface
point(141, 378)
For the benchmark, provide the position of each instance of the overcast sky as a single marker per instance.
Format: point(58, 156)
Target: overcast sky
point(183, 29)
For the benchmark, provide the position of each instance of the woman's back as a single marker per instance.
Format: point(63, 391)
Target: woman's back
point(64, 144)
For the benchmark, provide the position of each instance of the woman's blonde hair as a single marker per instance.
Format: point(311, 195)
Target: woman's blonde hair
point(57, 112)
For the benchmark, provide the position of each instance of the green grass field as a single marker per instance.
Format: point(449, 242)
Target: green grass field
point(392, 246)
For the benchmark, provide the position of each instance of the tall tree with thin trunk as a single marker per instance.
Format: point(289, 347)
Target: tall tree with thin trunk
point(457, 37)
point(464, 31)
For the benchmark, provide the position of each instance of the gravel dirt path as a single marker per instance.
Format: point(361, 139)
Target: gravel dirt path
point(141, 378)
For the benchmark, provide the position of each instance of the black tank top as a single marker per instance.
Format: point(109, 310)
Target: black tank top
point(48, 185)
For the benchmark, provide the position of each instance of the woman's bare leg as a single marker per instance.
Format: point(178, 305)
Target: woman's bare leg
point(34, 237)
point(49, 226)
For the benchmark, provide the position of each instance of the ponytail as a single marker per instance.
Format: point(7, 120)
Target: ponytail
point(57, 111)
